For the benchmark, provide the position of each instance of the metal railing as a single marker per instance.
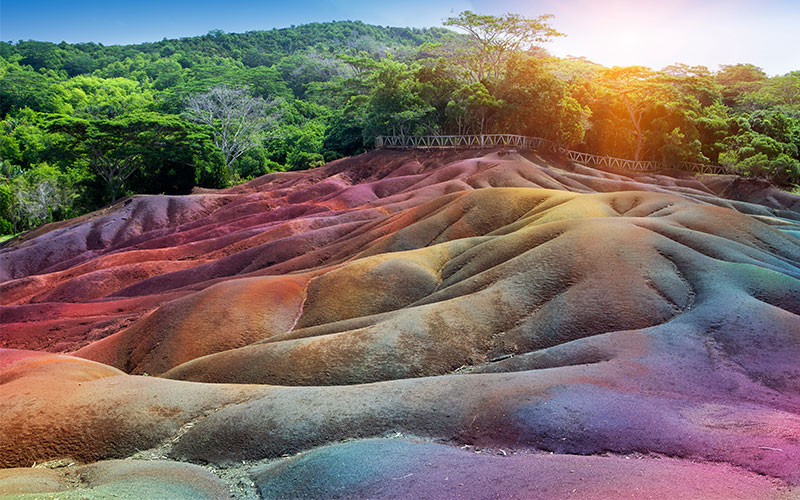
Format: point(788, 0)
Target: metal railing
point(482, 141)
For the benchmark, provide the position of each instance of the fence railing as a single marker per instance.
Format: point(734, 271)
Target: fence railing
point(482, 141)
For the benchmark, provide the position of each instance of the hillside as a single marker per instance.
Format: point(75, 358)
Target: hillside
point(253, 48)
point(324, 91)
point(404, 324)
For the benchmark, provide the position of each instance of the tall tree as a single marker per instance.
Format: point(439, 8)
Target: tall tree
point(394, 104)
point(537, 103)
point(495, 38)
point(236, 118)
point(693, 81)
point(738, 80)
point(779, 92)
point(631, 92)
point(116, 148)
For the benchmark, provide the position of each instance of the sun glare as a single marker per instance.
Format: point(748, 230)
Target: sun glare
point(623, 47)
point(621, 33)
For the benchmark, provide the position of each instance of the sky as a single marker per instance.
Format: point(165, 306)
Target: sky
point(611, 32)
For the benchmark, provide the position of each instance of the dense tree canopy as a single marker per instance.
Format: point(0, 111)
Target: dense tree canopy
point(83, 124)
point(492, 40)
point(116, 148)
point(235, 118)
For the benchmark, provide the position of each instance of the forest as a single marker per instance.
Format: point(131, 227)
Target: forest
point(86, 124)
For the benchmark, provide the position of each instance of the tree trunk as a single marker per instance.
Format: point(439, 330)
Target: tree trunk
point(636, 121)
point(639, 140)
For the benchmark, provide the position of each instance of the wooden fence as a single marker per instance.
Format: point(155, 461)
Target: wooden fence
point(531, 144)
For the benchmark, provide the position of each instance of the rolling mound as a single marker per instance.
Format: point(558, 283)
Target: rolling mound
point(451, 324)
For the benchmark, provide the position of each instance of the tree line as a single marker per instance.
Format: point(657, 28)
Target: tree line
point(84, 124)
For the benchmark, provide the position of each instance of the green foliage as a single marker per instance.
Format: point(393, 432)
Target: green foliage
point(713, 126)
point(237, 120)
point(495, 39)
point(40, 55)
point(96, 97)
point(116, 148)
point(693, 82)
point(739, 80)
point(538, 104)
point(783, 169)
point(172, 168)
point(212, 173)
point(764, 144)
point(38, 196)
point(7, 197)
point(300, 70)
point(22, 87)
point(81, 124)
point(775, 124)
point(254, 163)
point(780, 93)
point(674, 149)
point(394, 105)
point(24, 142)
point(343, 134)
point(473, 108)
point(298, 146)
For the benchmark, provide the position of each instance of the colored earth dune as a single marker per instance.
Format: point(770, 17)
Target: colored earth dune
point(453, 324)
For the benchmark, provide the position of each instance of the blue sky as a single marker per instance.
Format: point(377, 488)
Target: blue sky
point(611, 32)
